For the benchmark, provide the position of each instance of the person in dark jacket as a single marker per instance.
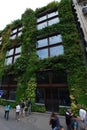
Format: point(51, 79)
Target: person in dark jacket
point(68, 116)
point(54, 121)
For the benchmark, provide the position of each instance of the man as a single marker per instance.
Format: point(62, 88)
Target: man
point(29, 105)
point(68, 116)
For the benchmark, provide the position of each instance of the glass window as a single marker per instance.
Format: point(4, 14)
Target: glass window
point(0, 42)
point(13, 37)
point(8, 61)
point(52, 14)
point(42, 25)
point(42, 53)
point(17, 56)
point(40, 95)
point(43, 77)
point(55, 39)
point(14, 31)
point(42, 43)
point(57, 50)
point(18, 50)
point(41, 18)
point(53, 21)
point(0, 38)
point(19, 29)
point(10, 52)
point(12, 95)
point(19, 33)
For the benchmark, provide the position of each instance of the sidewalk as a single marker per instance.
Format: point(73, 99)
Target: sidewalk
point(35, 121)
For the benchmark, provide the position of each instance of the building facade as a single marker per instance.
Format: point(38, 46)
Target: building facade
point(80, 8)
point(41, 58)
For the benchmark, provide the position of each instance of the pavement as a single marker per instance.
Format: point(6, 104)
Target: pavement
point(35, 121)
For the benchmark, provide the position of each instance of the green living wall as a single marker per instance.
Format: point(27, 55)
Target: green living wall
point(25, 67)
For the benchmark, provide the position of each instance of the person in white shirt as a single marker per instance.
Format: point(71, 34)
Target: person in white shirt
point(82, 114)
point(18, 108)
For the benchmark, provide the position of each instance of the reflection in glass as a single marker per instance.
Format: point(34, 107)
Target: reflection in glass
point(19, 33)
point(42, 53)
point(55, 39)
point(53, 21)
point(52, 14)
point(17, 56)
point(10, 52)
point(42, 25)
point(42, 43)
point(40, 95)
point(58, 50)
point(41, 18)
point(8, 61)
point(18, 50)
point(13, 37)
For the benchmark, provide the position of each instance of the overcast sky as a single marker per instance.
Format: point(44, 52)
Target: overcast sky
point(11, 10)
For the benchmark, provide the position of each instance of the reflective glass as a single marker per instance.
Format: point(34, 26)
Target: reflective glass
point(10, 52)
point(52, 14)
point(42, 25)
point(57, 50)
point(55, 39)
point(41, 18)
point(17, 56)
point(42, 43)
point(53, 21)
point(42, 53)
point(13, 36)
point(19, 33)
point(18, 50)
point(8, 61)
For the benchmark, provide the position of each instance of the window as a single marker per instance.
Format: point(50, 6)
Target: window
point(9, 85)
point(12, 55)
point(51, 46)
point(0, 40)
point(42, 43)
point(16, 32)
point(41, 18)
point(40, 95)
point(42, 25)
point(47, 20)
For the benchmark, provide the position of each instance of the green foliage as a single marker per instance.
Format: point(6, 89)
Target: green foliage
point(25, 67)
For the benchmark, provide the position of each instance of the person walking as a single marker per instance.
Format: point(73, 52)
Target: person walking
point(54, 121)
point(82, 113)
point(18, 108)
point(68, 116)
point(29, 105)
point(7, 109)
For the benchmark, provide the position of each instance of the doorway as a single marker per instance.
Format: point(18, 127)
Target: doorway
point(52, 102)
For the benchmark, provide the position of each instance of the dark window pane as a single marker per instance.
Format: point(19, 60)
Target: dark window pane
point(59, 77)
point(42, 78)
point(64, 98)
point(39, 95)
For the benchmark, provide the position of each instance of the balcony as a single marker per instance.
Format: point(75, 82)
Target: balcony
point(84, 10)
point(79, 1)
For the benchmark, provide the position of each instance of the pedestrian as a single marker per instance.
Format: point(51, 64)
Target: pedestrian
point(74, 123)
point(22, 108)
point(54, 121)
point(68, 117)
point(7, 109)
point(29, 105)
point(82, 113)
point(18, 108)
